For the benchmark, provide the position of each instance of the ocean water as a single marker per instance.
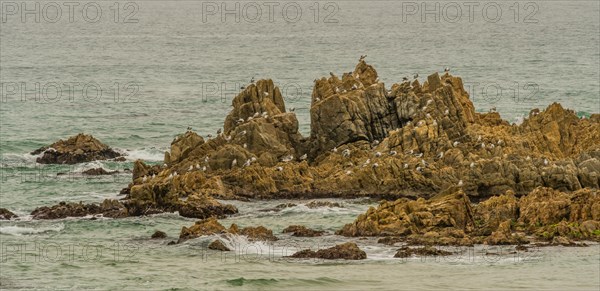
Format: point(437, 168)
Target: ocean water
point(165, 65)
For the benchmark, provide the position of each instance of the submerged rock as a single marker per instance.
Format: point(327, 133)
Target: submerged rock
point(345, 251)
point(159, 235)
point(77, 149)
point(302, 231)
point(6, 214)
point(218, 245)
point(97, 172)
point(407, 252)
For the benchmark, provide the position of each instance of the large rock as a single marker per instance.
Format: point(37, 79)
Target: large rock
point(302, 231)
point(77, 149)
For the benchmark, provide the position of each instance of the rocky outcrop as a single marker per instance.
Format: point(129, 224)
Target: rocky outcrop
point(407, 252)
point(410, 140)
point(211, 226)
point(77, 149)
point(98, 172)
point(108, 208)
point(345, 251)
point(6, 214)
point(218, 245)
point(302, 231)
point(450, 218)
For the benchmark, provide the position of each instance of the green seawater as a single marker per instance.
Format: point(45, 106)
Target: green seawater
point(172, 57)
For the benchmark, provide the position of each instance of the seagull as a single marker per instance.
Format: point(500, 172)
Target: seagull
point(483, 145)
point(206, 159)
point(170, 176)
point(191, 168)
point(375, 165)
point(209, 136)
point(472, 165)
point(279, 169)
point(446, 112)
point(252, 80)
point(393, 153)
point(203, 168)
point(493, 109)
point(456, 143)
point(428, 115)
point(500, 142)
point(354, 87)
point(287, 158)
point(378, 154)
point(189, 128)
point(426, 164)
point(144, 179)
point(375, 142)
point(460, 183)
point(528, 158)
point(318, 99)
point(440, 155)
point(153, 176)
point(479, 138)
point(405, 79)
point(492, 146)
point(446, 70)
point(243, 132)
point(424, 108)
point(174, 173)
point(368, 161)
point(303, 157)
point(247, 163)
point(255, 115)
point(219, 131)
point(266, 93)
point(233, 163)
point(292, 109)
point(337, 90)
point(334, 149)
point(419, 169)
point(228, 138)
point(429, 101)
point(253, 159)
point(242, 88)
point(362, 57)
point(406, 166)
point(545, 162)
point(419, 155)
point(249, 118)
point(348, 172)
point(415, 76)
point(346, 153)
point(245, 146)
point(411, 152)
point(241, 120)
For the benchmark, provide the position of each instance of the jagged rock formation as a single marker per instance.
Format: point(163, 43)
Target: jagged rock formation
point(449, 218)
point(77, 149)
point(413, 140)
point(108, 208)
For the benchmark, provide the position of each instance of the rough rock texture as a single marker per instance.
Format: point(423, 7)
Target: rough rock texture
point(97, 172)
point(407, 252)
point(302, 231)
point(6, 214)
point(411, 140)
point(449, 218)
point(77, 149)
point(345, 251)
point(218, 245)
point(108, 208)
point(211, 226)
